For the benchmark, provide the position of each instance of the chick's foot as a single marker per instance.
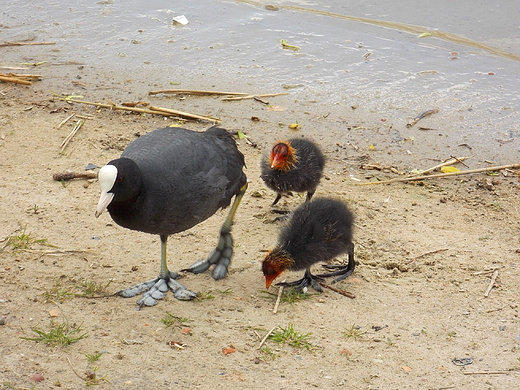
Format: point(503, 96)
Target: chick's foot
point(343, 271)
point(155, 289)
point(220, 257)
point(307, 280)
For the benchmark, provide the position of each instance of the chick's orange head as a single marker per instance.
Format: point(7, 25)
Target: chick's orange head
point(283, 156)
point(274, 264)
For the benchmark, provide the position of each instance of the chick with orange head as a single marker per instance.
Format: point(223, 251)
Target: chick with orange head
point(293, 165)
point(317, 231)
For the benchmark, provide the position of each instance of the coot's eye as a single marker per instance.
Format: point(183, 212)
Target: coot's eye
point(119, 179)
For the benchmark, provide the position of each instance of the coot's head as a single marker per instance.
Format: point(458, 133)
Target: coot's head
point(283, 156)
point(120, 182)
point(276, 262)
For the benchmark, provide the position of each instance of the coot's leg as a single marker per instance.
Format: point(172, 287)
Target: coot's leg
point(278, 197)
point(310, 194)
point(221, 256)
point(307, 280)
point(343, 271)
point(157, 287)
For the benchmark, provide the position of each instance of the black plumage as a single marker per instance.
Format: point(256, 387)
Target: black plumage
point(317, 231)
point(294, 165)
point(169, 180)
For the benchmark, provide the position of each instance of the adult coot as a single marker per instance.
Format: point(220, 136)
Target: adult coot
point(168, 181)
point(294, 165)
point(317, 231)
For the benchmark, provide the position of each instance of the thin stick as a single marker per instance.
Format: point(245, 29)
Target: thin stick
point(25, 43)
point(344, 293)
point(185, 114)
point(73, 369)
point(447, 162)
point(140, 110)
point(65, 121)
point(74, 175)
point(266, 336)
point(413, 178)
point(421, 116)
point(486, 372)
point(428, 253)
point(491, 283)
point(278, 299)
point(22, 76)
point(67, 139)
point(194, 92)
point(14, 80)
point(255, 96)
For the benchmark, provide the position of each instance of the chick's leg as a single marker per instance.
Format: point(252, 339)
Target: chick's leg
point(156, 288)
point(343, 271)
point(221, 256)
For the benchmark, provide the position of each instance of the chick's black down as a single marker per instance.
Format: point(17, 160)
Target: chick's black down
point(171, 179)
point(304, 176)
point(318, 230)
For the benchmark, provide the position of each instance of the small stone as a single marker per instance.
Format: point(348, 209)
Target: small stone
point(2, 321)
point(37, 378)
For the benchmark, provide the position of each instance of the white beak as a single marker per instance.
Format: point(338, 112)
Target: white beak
point(104, 201)
point(107, 177)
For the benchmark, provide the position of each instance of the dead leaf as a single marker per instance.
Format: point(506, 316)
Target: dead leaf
point(448, 169)
point(228, 350)
point(186, 331)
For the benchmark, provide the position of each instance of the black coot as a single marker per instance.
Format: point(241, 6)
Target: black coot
point(294, 165)
point(168, 181)
point(317, 231)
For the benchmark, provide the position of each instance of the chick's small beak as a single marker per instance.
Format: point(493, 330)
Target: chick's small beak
point(104, 201)
point(276, 161)
point(269, 279)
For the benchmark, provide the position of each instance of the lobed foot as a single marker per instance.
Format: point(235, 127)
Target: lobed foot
point(307, 280)
point(220, 257)
point(343, 271)
point(155, 289)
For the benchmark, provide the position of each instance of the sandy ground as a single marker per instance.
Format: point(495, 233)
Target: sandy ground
point(426, 253)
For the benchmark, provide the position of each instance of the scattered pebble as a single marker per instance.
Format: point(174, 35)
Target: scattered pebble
point(37, 378)
point(2, 321)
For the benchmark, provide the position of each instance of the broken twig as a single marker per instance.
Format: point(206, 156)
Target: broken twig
point(163, 111)
point(14, 80)
point(452, 160)
point(194, 92)
point(254, 96)
point(64, 121)
point(64, 176)
point(344, 293)
point(491, 283)
point(25, 43)
point(278, 299)
point(423, 177)
point(186, 114)
point(266, 336)
point(421, 116)
point(67, 139)
point(428, 253)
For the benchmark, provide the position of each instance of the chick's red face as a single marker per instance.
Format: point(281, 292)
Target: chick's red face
point(274, 264)
point(282, 156)
point(270, 272)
